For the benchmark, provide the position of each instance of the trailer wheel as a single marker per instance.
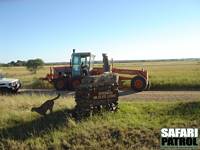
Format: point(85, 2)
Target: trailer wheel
point(138, 84)
point(59, 84)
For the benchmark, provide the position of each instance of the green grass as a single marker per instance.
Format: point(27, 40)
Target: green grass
point(135, 126)
point(167, 75)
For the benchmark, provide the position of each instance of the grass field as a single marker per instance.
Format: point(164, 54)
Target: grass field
point(166, 75)
point(136, 125)
point(28, 79)
point(170, 75)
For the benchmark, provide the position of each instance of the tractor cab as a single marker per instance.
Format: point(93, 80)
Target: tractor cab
point(81, 63)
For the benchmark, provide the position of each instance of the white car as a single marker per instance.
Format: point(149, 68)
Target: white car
point(9, 85)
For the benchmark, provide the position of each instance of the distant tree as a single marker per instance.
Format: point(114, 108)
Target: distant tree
point(20, 63)
point(12, 63)
point(33, 65)
point(17, 63)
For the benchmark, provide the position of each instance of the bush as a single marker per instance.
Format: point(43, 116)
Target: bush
point(34, 64)
point(40, 84)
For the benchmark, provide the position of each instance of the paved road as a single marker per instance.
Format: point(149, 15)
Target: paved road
point(130, 95)
point(162, 95)
point(45, 91)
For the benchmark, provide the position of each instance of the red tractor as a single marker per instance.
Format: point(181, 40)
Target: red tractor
point(81, 64)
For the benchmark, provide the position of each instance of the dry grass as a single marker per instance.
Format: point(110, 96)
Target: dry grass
point(174, 75)
point(170, 75)
point(135, 126)
point(28, 79)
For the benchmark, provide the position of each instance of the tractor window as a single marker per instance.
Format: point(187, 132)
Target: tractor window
point(76, 65)
point(76, 60)
point(84, 60)
point(91, 62)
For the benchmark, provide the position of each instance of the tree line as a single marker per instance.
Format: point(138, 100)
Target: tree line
point(33, 65)
point(14, 63)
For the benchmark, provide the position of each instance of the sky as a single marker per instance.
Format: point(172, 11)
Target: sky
point(124, 29)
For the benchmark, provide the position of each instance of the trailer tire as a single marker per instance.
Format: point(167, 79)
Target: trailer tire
point(138, 83)
point(59, 84)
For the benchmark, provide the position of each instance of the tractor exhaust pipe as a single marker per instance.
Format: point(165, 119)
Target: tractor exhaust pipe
point(106, 65)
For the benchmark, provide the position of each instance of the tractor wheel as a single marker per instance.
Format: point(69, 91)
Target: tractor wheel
point(76, 83)
point(138, 84)
point(59, 84)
